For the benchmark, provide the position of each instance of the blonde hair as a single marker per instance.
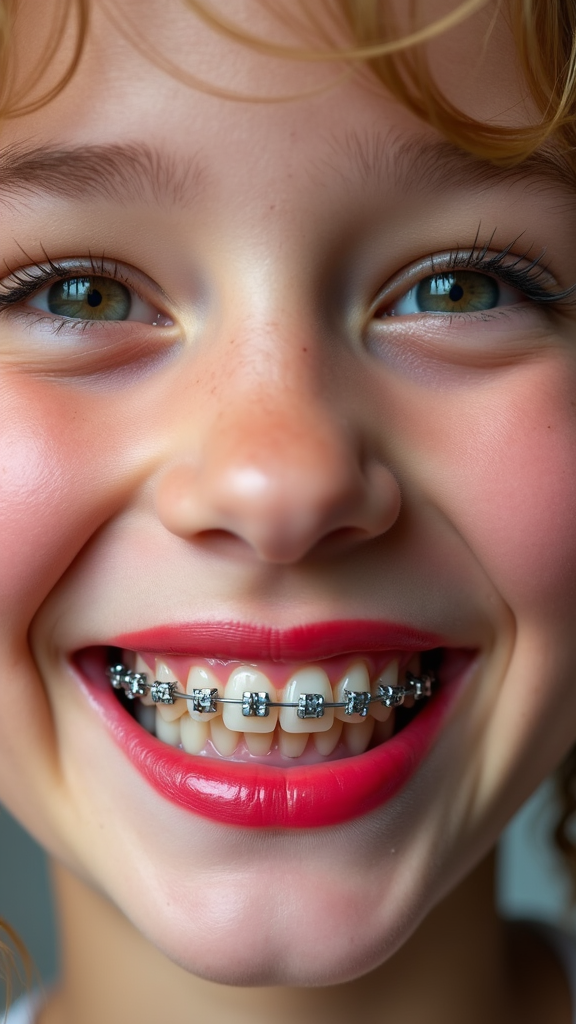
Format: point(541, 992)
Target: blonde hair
point(544, 31)
point(15, 960)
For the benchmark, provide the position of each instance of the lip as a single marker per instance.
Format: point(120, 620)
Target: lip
point(260, 796)
point(242, 642)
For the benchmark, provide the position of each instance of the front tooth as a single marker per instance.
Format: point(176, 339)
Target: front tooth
point(326, 742)
point(357, 679)
point(193, 734)
point(357, 737)
point(169, 712)
point(241, 679)
point(292, 744)
point(223, 739)
point(306, 680)
point(389, 677)
point(142, 666)
point(168, 732)
point(202, 679)
point(258, 743)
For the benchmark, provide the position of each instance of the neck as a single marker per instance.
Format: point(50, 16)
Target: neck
point(469, 965)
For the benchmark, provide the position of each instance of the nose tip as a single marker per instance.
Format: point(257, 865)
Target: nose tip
point(282, 494)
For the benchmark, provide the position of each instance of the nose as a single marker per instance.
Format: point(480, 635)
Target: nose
point(281, 472)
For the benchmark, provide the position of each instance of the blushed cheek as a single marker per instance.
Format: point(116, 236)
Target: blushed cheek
point(51, 470)
point(512, 487)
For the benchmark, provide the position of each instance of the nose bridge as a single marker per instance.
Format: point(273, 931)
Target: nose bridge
point(282, 446)
point(267, 454)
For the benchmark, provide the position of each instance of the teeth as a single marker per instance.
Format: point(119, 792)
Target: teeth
point(169, 712)
point(141, 666)
point(281, 728)
point(225, 740)
point(326, 742)
point(201, 679)
point(168, 732)
point(258, 743)
point(292, 744)
point(307, 680)
point(193, 734)
point(356, 678)
point(357, 737)
point(389, 677)
point(241, 679)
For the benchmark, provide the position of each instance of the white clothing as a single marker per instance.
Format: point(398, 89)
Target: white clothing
point(24, 1010)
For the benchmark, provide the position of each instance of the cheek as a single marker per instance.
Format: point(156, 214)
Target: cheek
point(52, 467)
point(511, 486)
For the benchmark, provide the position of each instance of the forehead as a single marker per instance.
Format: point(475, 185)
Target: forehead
point(150, 64)
point(170, 111)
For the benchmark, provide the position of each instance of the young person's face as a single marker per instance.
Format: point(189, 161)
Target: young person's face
point(263, 442)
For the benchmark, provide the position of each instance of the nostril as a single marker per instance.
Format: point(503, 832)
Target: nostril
point(341, 538)
point(222, 542)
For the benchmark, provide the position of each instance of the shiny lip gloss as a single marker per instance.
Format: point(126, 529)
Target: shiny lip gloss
point(262, 796)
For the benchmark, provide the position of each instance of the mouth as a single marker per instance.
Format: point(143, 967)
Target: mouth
point(302, 728)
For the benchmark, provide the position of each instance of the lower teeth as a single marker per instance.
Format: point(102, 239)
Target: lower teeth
point(215, 738)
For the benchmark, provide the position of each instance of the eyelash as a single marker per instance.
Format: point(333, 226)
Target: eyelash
point(37, 276)
point(526, 278)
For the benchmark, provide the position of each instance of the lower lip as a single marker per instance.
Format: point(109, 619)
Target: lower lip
point(259, 796)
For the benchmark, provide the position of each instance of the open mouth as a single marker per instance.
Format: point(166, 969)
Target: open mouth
point(275, 741)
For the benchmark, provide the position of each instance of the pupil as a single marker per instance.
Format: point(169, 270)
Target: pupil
point(94, 298)
point(456, 292)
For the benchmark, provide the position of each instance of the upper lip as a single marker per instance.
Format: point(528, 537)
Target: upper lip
point(310, 642)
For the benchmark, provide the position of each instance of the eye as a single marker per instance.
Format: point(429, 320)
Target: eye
point(454, 291)
point(97, 298)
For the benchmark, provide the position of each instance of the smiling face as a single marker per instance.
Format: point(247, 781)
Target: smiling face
point(264, 364)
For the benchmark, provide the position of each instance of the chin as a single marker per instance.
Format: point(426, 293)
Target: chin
point(259, 929)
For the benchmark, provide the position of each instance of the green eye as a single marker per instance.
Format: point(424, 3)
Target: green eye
point(454, 291)
point(89, 298)
point(460, 291)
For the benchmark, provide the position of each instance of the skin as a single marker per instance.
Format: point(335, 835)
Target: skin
point(259, 460)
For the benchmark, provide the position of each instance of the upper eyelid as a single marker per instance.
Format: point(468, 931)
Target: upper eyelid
point(24, 282)
point(464, 259)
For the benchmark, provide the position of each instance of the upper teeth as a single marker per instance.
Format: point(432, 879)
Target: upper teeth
point(248, 694)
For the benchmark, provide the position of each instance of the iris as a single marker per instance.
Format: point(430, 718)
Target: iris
point(460, 291)
point(90, 298)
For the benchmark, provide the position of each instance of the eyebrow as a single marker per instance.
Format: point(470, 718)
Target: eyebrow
point(137, 172)
point(424, 164)
point(132, 172)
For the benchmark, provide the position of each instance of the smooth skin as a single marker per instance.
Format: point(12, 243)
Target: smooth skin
point(276, 452)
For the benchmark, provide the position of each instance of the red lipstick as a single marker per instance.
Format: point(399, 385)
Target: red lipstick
point(262, 796)
point(241, 642)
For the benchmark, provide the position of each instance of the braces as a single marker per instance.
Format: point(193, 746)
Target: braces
point(257, 704)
